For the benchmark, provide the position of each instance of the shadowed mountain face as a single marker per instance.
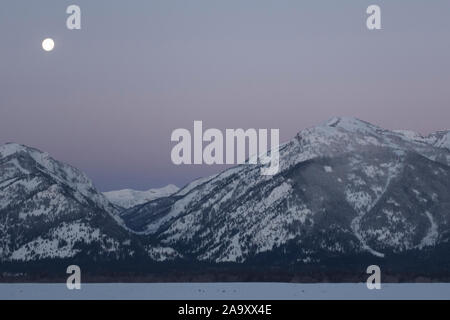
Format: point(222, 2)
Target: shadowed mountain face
point(345, 189)
point(51, 210)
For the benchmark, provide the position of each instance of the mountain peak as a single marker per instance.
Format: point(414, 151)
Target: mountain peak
point(11, 148)
point(27, 161)
point(350, 124)
point(128, 198)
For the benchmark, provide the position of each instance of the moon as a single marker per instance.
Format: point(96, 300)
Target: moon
point(48, 44)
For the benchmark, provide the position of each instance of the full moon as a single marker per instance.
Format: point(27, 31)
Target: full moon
point(48, 44)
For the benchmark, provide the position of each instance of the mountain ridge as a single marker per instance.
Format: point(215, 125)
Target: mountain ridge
point(339, 136)
point(127, 198)
point(49, 209)
point(347, 190)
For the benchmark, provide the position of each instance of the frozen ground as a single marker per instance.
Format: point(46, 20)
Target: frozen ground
point(238, 291)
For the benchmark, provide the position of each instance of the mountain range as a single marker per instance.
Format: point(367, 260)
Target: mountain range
point(127, 198)
point(348, 194)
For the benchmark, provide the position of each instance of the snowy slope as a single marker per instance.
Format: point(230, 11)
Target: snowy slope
point(128, 198)
point(440, 139)
point(49, 209)
point(344, 187)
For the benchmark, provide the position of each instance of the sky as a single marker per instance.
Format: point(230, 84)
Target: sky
point(108, 97)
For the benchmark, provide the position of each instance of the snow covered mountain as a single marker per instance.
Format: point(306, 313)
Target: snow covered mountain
point(128, 198)
point(344, 188)
point(440, 139)
point(49, 210)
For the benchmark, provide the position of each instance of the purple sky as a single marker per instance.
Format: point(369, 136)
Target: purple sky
point(108, 97)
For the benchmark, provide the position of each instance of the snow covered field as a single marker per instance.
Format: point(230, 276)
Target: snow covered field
point(194, 291)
